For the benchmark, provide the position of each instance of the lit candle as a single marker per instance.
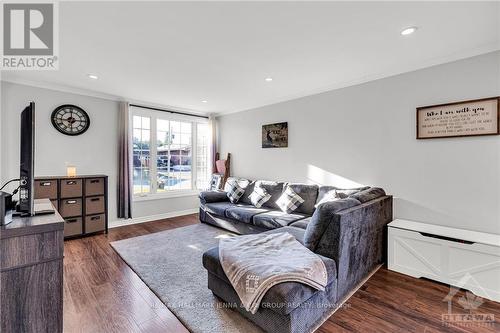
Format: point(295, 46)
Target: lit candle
point(71, 171)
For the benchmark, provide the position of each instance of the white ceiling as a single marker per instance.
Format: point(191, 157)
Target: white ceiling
point(178, 54)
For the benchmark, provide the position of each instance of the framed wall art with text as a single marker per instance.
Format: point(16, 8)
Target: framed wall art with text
point(468, 118)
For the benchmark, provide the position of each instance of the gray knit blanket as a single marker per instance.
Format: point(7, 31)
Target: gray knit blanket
point(255, 263)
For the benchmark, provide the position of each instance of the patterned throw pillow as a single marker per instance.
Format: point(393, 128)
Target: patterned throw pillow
point(235, 191)
point(289, 201)
point(346, 192)
point(259, 196)
point(332, 195)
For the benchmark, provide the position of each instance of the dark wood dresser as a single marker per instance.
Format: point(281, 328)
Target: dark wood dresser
point(31, 274)
point(82, 201)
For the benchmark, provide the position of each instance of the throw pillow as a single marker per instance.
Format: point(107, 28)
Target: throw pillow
point(289, 201)
point(235, 191)
point(259, 196)
point(332, 195)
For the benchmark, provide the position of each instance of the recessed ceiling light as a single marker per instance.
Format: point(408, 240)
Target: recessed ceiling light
point(204, 101)
point(408, 31)
point(92, 76)
point(269, 79)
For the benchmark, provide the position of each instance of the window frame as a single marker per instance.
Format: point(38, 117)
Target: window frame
point(165, 115)
point(208, 153)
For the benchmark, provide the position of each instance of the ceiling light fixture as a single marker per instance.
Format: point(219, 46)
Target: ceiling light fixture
point(204, 101)
point(408, 31)
point(92, 76)
point(269, 79)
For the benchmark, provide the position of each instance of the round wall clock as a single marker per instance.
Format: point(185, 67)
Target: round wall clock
point(70, 119)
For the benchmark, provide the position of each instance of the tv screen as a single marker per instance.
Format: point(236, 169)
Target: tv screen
point(27, 160)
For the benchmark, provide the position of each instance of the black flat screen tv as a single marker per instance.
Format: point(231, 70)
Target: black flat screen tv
point(27, 161)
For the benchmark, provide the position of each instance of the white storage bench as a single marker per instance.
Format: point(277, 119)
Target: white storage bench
point(462, 258)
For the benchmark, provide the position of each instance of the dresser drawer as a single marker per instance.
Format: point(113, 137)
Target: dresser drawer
point(94, 205)
point(70, 207)
point(46, 189)
point(30, 250)
point(73, 226)
point(94, 186)
point(95, 223)
point(71, 188)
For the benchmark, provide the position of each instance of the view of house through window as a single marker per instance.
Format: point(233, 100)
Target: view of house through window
point(164, 158)
point(203, 162)
point(173, 155)
point(141, 139)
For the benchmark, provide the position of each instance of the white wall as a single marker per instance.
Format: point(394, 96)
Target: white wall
point(94, 152)
point(366, 134)
point(177, 206)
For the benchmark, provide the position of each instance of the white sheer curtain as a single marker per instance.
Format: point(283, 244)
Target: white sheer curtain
point(212, 127)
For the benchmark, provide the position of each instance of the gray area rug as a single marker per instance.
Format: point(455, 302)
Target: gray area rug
point(169, 262)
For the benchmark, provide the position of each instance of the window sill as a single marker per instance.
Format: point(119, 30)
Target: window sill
point(160, 196)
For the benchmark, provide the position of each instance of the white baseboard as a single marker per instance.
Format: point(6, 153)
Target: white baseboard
point(142, 219)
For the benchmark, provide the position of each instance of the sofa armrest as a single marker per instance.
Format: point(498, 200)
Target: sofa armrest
point(355, 239)
point(213, 196)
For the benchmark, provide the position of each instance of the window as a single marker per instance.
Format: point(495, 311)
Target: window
point(203, 162)
point(164, 157)
point(141, 155)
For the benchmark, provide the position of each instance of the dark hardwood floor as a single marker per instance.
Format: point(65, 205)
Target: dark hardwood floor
point(102, 294)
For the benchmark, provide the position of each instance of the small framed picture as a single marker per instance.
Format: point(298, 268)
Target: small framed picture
point(275, 135)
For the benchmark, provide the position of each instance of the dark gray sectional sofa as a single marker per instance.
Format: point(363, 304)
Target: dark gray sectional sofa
point(348, 234)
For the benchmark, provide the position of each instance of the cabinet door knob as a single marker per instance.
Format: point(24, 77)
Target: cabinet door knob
point(71, 221)
point(95, 199)
point(45, 184)
point(94, 218)
point(71, 201)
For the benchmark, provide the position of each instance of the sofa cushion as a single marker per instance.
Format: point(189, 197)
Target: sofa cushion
point(295, 232)
point(369, 194)
point(275, 189)
point(213, 196)
point(302, 224)
point(325, 189)
point(245, 198)
point(322, 217)
point(218, 208)
point(285, 296)
point(243, 213)
point(276, 219)
point(307, 192)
